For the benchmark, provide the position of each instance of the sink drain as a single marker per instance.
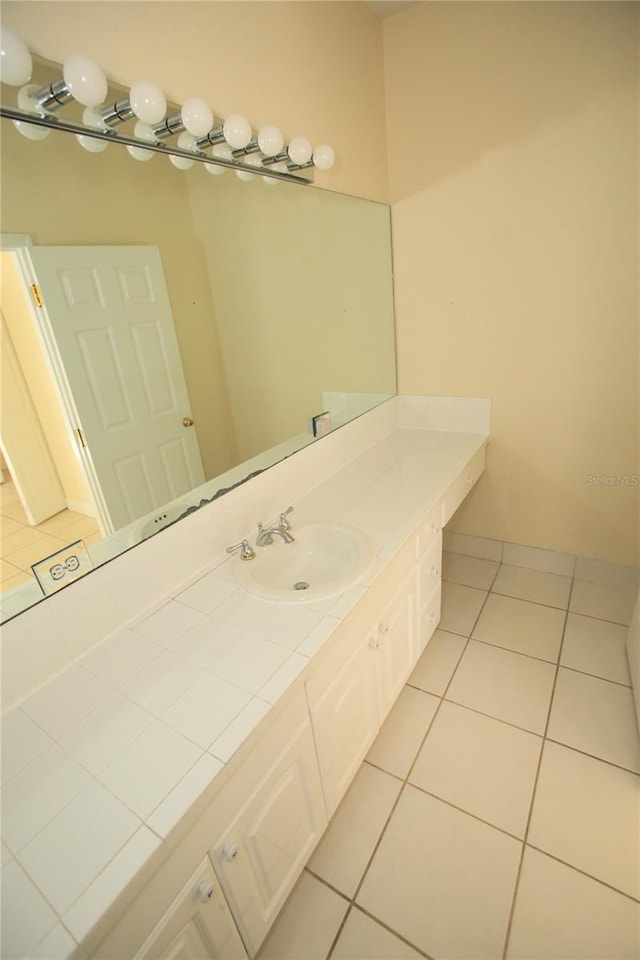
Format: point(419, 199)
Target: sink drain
point(301, 585)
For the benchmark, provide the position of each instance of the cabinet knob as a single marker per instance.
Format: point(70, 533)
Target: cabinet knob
point(229, 852)
point(433, 528)
point(383, 628)
point(374, 643)
point(469, 481)
point(433, 618)
point(435, 572)
point(206, 891)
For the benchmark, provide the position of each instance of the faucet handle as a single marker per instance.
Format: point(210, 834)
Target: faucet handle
point(283, 523)
point(246, 551)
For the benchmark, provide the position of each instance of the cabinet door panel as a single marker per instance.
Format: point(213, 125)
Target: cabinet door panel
point(396, 645)
point(277, 841)
point(261, 854)
point(192, 943)
point(345, 723)
point(197, 925)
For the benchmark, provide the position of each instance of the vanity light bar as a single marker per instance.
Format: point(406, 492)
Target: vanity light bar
point(83, 81)
point(56, 123)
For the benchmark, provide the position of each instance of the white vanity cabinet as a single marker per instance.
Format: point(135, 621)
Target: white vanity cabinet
point(197, 925)
point(358, 678)
point(273, 817)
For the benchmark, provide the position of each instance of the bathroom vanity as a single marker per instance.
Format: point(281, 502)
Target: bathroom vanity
point(206, 872)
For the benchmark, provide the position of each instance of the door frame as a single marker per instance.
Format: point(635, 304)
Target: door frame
point(19, 244)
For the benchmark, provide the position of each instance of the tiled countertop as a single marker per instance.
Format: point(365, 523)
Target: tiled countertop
point(100, 764)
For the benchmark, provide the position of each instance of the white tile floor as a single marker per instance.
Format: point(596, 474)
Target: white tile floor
point(497, 814)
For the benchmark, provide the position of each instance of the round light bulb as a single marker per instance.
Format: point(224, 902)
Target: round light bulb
point(270, 140)
point(197, 117)
point(148, 102)
point(237, 131)
point(299, 150)
point(86, 82)
point(27, 99)
point(15, 60)
point(323, 157)
point(91, 118)
point(91, 144)
point(252, 161)
point(223, 151)
point(275, 168)
point(185, 142)
point(142, 131)
point(30, 130)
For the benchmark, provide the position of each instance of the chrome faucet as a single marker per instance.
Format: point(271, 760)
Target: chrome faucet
point(280, 529)
point(245, 549)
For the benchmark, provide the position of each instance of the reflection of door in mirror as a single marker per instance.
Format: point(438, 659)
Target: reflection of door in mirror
point(111, 322)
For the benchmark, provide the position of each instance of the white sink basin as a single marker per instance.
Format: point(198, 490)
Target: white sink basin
point(324, 559)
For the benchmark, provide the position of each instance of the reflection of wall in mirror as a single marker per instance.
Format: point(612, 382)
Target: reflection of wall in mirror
point(108, 198)
point(304, 277)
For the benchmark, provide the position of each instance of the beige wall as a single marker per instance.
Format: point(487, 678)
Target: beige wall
point(313, 68)
point(513, 163)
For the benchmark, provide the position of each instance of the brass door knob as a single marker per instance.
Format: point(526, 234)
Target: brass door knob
point(187, 422)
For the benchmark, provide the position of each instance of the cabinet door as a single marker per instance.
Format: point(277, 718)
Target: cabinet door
point(260, 855)
point(394, 638)
point(345, 722)
point(197, 925)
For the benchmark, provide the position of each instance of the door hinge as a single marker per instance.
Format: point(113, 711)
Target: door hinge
point(81, 437)
point(36, 295)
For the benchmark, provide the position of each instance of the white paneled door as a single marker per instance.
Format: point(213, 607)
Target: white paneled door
point(113, 336)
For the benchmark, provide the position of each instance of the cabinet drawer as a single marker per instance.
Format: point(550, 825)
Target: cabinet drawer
point(430, 617)
point(462, 485)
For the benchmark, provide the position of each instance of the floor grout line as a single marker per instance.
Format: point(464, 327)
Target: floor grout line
point(535, 785)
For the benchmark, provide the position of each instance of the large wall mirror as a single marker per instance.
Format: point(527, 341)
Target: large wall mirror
point(193, 327)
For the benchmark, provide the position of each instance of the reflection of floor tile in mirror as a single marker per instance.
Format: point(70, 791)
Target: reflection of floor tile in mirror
point(21, 544)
